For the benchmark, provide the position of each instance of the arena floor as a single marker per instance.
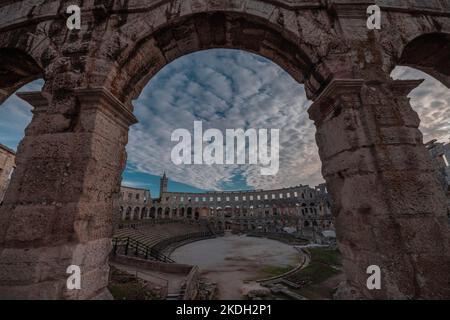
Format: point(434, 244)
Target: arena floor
point(234, 261)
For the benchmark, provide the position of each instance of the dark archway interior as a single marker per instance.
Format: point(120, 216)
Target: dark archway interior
point(429, 53)
point(16, 69)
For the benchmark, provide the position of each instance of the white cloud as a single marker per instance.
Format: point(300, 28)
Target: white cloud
point(431, 100)
point(224, 89)
point(233, 89)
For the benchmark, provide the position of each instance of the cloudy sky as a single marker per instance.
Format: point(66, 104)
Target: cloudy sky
point(228, 89)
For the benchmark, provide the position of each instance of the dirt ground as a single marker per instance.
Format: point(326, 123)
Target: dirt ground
point(234, 261)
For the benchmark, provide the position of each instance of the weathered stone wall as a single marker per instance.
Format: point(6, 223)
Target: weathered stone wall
point(7, 165)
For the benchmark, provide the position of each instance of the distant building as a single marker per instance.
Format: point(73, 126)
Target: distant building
point(7, 165)
point(135, 203)
point(264, 210)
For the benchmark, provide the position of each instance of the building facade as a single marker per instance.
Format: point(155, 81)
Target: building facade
point(259, 210)
point(135, 203)
point(7, 165)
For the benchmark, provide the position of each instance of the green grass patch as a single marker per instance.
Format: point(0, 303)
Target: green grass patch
point(324, 264)
point(327, 256)
point(274, 271)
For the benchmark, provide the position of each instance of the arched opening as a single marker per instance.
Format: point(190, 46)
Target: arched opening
point(429, 53)
point(137, 53)
point(152, 212)
point(426, 58)
point(16, 70)
point(122, 213)
point(137, 212)
point(128, 215)
point(189, 213)
point(134, 88)
point(19, 72)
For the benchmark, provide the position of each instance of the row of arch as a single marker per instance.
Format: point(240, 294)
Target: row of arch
point(140, 213)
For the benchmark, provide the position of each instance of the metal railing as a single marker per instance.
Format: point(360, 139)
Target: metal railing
point(139, 249)
point(162, 245)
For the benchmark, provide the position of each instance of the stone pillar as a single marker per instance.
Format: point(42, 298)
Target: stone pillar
point(63, 198)
point(389, 210)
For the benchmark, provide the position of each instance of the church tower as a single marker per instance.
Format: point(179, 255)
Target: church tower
point(163, 185)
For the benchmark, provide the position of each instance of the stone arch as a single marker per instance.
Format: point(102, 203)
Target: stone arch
point(429, 53)
point(17, 68)
point(152, 213)
point(167, 213)
point(128, 215)
point(155, 46)
point(137, 212)
point(189, 213)
point(197, 213)
point(144, 213)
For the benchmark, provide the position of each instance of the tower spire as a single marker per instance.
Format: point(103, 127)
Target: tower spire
point(163, 184)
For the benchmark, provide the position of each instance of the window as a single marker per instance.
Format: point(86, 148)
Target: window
point(251, 198)
point(218, 199)
point(181, 199)
point(211, 199)
point(258, 197)
point(204, 199)
point(227, 199)
point(273, 196)
point(196, 199)
point(281, 196)
point(137, 196)
point(236, 198)
point(295, 194)
point(244, 198)
point(288, 195)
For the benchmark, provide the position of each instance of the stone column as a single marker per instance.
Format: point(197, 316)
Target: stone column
point(63, 198)
point(389, 210)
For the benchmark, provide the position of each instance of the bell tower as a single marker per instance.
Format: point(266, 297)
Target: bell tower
point(163, 185)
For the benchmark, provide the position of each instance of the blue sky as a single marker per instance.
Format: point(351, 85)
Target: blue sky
point(229, 89)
